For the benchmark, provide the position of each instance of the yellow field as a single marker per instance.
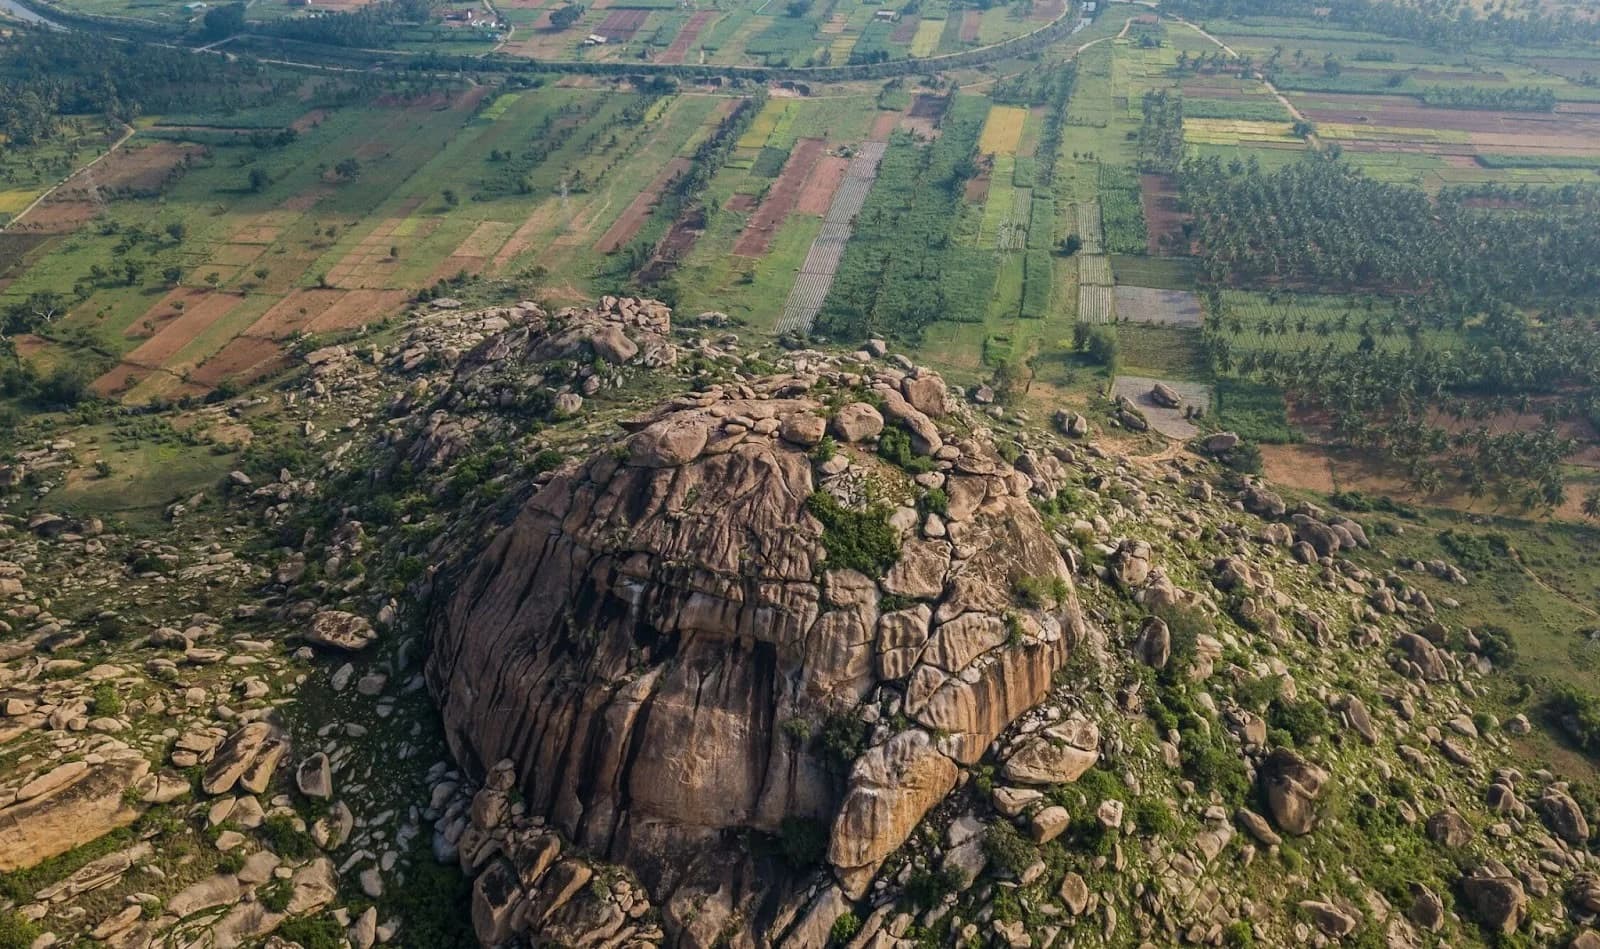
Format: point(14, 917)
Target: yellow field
point(926, 42)
point(1002, 130)
point(1389, 133)
point(13, 201)
point(762, 125)
point(1234, 131)
point(500, 105)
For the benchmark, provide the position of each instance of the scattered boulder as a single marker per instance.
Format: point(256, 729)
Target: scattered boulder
point(1291, 786)
point(335, 629)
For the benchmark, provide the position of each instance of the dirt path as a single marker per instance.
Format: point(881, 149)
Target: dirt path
point(1283, 100)
point(1538, 581)
point(127, 133)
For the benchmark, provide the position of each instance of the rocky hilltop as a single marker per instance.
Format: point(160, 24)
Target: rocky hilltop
point(740, 645)
point(664, 635)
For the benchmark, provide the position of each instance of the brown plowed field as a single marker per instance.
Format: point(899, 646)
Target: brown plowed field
point(139, 168)
point(620, 25)
point(169, 331)
point(1163, 222)
point(1046, 10)
point(119, 379)
point(781, 199)
point(686, 36)
point(882, 125)
point(199, 308)
point(971, 22)
point(817, 195)
point(638, 210)
point(245, 358)
point(357, 309)
point(905, 29)
point(293, 313)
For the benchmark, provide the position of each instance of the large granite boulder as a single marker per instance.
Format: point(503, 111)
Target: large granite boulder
point(658, 641)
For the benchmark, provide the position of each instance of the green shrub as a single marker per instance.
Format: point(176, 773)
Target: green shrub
point(844, 928)
point(825, 449)
point(936, 501)
point(1007, 850)
point(804, 842)
point(1212, 766)
point(1498, 645)
point(1042, 592)
point(1153, 818)
point(1577, 714)
point(843, 738)
point(894, 446)
point(1303, 721)
point(16, 931)
point(318, 932)
point(107, 702)
point(285, 840)
point(928, 888)
point(1238, 935)
point(855, 540)
point(1475, 551)
point(276, 895)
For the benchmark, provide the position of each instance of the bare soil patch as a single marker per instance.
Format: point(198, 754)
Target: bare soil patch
point(686, 36)
point(59, 217)
point(137, 168)
point(119, 379)
point(245, 358)
point(817, 196)
point(906, 29)
point(882, 124)
point(1163, 221)
point(971, 23)
point(620, 25)
point(976, 190)
point(358, 308)
point(1158, 307)
point(781, 199)
point(294, 313)
point(1046, 10)
point(309, 121)
point(741, 202)
point(1297, 466)
point(1169, 422)
point(638, 210)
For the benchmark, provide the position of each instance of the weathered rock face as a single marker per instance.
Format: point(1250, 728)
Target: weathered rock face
point(657, 637)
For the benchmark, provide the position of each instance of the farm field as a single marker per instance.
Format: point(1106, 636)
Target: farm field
point(340, 228)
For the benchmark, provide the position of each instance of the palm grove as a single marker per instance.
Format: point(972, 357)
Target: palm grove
point(1474, 304)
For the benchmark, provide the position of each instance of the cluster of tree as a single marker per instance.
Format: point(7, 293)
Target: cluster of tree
point(1321, 221)
point(1508, 274)
point(896, 275)
point(260, 43)
point(1161, 132)
point(1515, 99)
point(682, 197)
point(45, 75)
point(1394, 405)
point(1447, 23)
point(563, 17)
point(372, 26)
point(1210, 62)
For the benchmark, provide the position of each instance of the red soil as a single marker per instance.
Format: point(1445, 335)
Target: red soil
point(781, 199)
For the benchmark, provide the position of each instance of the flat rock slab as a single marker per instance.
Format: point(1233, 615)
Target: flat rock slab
point(1169, 422)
